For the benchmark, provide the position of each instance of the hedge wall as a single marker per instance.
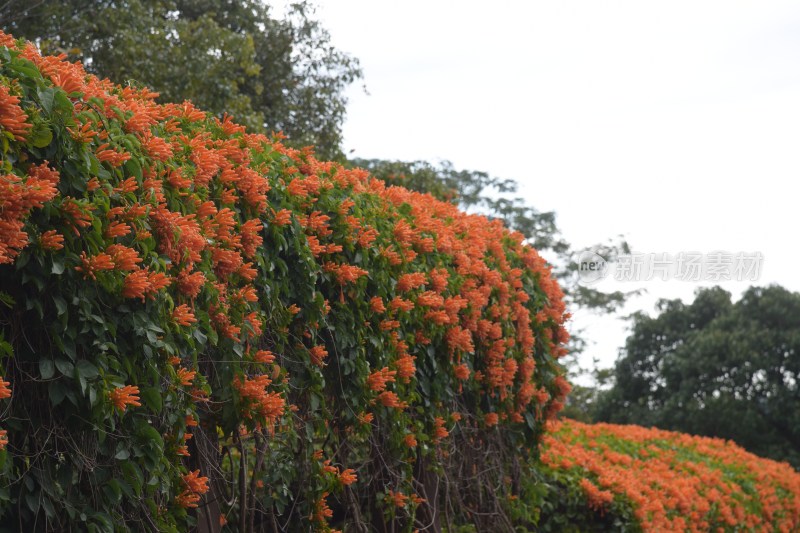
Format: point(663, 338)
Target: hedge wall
point(201, 326)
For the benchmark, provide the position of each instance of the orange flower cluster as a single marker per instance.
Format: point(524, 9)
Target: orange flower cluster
point(348, 476)
point(12, 118)
point(196, 486)
point(390, 399)
point(318, 355)
point(144, 282)
point(265, 407)
point(183, 316)
point(18, 197)
point(377, 380)
point(439, 431)
point(674, 481)
point(345, 273)
point(596, 499)
point(5, 391)
point(122, 397)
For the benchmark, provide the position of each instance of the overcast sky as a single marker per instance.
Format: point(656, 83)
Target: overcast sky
point(676, 124)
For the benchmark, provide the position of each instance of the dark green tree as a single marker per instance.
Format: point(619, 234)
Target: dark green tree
point(715, 368)
point(226, 56)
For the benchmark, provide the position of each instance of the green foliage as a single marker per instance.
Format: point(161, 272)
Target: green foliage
point(226, 56)
point(716, 368)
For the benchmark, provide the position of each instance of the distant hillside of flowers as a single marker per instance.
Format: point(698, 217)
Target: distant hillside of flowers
point(633, 478)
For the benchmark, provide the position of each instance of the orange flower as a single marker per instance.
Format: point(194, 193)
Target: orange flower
point(282, 218)
point(322, 511)
point(195, 482)
point(390, 399)
point(117, 229)
point(405, 367)
point(461, 371)
point(401, 304)
point(96, 263)
point(195, 486)
point(5, 392)
point(259, 402)
point(3, 438)
point(376, 305)
point(114, 158)
point(318, 355)
point(377, 380)
point(190, 284)
point(135, 285)
point(51, 240)
point(348, 477)
point(327, 467)
point(410, 440)
point(344, 273)
point(596, 499)
point(264, 356)
point(439, 431)
point(490, 419)
point(186, 376)
point(12, 118)
point(122, 397)
point(406, 282)
point(187, 499)
point(183, 316)
point(125, 259)
point(398, 498)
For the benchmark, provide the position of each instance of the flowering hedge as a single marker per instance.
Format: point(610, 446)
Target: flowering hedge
point(201, 324)
point(639, 479)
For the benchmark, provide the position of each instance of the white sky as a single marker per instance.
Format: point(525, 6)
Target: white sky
point(674, 123)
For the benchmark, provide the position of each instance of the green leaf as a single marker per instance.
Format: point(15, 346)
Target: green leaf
point(46, 368)
point(41, 137)
point(133, 475)
point(48, 507)
point(86, 369)
point(46, 97)
point(152, 398)
point(133, 168)
point(56, 391)
point(65, 367)
point(122, 453)
point(61, 304)
point(62, 103)
point(149, 434)
point(58, 266)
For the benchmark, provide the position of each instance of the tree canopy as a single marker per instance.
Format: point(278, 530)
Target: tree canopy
point(226, 56)
point(715, 368)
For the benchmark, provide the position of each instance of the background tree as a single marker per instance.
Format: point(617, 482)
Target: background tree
point(224, 55)
point(716, 368)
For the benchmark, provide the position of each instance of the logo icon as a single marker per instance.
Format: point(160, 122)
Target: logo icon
point(591, 267)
